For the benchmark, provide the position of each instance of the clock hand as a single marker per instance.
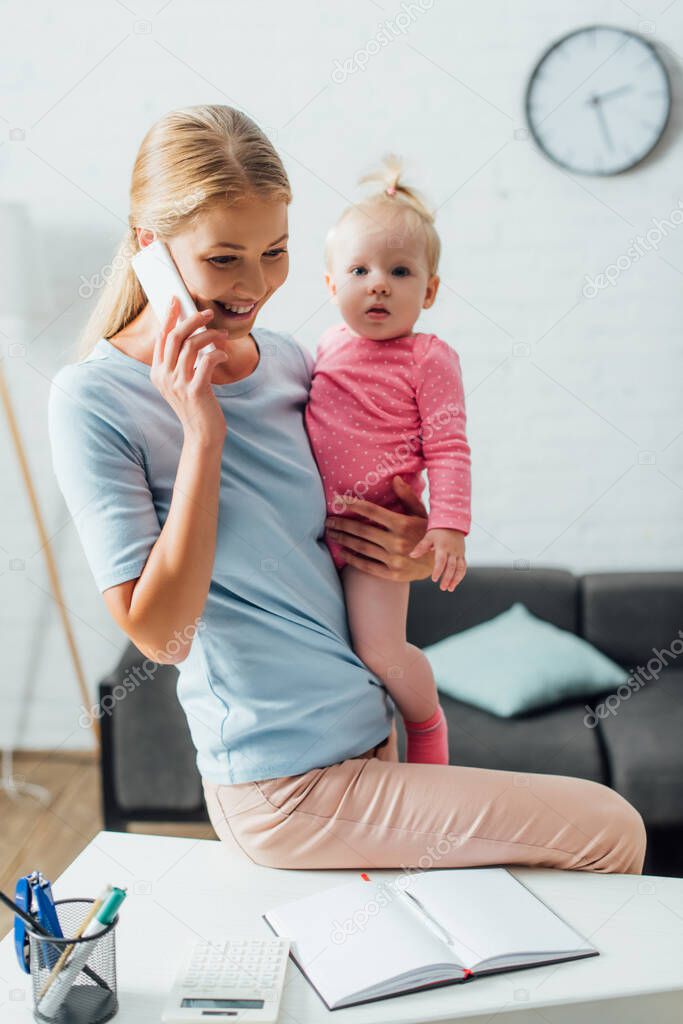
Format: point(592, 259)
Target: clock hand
point(598, 98)
point(603, 123)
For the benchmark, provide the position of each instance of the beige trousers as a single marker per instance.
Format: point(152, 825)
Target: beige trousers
point(373, 811)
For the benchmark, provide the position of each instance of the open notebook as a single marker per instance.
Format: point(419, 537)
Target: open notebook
point(368, 940)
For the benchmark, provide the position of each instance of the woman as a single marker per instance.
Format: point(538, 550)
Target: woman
point(202, 515)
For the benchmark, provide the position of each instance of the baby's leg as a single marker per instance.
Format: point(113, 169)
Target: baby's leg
point(377, 610)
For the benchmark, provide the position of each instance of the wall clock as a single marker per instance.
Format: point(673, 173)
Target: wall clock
point(598, 100)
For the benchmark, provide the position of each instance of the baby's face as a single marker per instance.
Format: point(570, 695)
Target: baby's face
point(378, 275)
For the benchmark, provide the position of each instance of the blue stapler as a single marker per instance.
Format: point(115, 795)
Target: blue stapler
point(33, 893)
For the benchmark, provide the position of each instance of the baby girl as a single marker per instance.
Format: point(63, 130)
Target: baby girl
point(385, 401)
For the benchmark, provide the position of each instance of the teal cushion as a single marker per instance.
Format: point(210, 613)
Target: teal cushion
point(515, 662)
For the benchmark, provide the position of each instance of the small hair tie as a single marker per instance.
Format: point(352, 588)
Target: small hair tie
point(391, 190)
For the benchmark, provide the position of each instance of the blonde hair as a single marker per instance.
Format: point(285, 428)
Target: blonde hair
point(189, 160)
point(392, 195)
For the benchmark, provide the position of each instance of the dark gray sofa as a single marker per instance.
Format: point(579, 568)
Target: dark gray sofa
point(633, 743)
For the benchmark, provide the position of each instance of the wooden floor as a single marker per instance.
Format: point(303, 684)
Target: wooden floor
point(33, 836)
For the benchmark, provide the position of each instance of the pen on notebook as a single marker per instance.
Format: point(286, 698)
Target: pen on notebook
point(67, 949)
point(432, 920)
point(57, 992)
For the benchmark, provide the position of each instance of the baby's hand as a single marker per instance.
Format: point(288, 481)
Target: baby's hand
point(449, 556)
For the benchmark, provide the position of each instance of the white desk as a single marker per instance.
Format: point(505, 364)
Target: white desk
point(181, 887)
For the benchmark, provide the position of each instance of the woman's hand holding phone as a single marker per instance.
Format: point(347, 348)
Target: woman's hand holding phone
point(188, 391)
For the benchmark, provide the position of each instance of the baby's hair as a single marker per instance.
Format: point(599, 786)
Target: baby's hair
point(393, 195)
point(190, 160)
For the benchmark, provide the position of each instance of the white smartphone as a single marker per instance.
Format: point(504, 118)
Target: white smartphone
point(161, 280)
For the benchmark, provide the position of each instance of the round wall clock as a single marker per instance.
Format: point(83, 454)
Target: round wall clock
point(598, 100)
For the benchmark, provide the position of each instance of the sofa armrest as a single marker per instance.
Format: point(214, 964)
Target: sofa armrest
point(627, 615)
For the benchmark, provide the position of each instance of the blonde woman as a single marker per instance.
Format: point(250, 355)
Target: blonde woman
point(202, 515)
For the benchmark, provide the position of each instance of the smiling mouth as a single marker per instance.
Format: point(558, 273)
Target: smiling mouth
point(236, 311)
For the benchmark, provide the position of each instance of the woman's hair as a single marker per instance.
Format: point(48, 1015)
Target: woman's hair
point(189, 160)
point(392, 195)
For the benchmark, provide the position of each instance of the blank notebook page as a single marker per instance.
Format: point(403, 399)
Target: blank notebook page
point(491, 914)
point(384, 940)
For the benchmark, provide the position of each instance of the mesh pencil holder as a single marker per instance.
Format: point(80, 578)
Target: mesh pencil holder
point(86, 997)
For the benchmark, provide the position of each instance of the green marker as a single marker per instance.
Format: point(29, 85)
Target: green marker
point(107, 911)
point(58, 990)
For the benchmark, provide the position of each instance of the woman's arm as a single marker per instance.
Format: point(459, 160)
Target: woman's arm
point(383, 549)
point(160, 609)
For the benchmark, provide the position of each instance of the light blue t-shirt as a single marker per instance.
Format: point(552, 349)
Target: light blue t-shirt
point(271, 685)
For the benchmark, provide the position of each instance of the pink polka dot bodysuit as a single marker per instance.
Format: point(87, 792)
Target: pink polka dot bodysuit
point(378, 409)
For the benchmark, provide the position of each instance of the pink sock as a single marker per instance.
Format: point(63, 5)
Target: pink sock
point(427, 742)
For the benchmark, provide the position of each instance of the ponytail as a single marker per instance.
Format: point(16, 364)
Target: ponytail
point(392, 194)
point(388, 178)
point(121, 300)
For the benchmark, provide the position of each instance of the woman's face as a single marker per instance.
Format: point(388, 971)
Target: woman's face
point(234, 256)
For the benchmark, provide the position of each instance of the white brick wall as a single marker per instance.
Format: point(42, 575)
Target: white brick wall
point(565, 394)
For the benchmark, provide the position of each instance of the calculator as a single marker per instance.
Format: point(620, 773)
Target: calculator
point(229, 980)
